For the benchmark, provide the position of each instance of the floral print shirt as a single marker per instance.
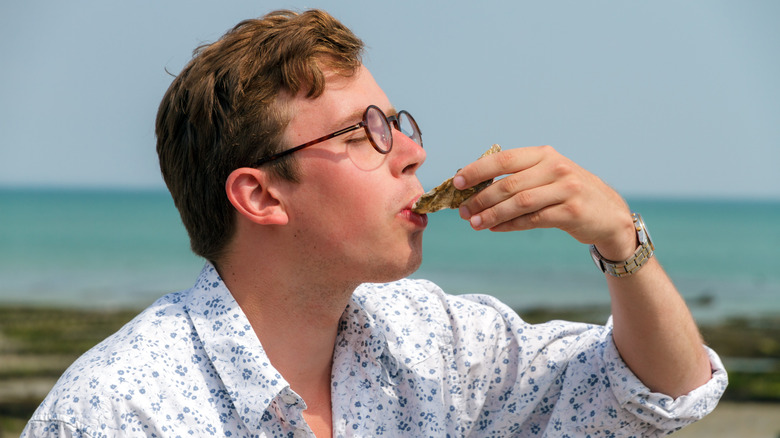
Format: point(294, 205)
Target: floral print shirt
point(409, 360)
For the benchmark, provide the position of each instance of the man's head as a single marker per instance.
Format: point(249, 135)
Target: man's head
point(348, 220)
point(227, 109)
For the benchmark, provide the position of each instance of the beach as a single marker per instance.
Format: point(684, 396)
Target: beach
point(37, 344)
point(737, 420)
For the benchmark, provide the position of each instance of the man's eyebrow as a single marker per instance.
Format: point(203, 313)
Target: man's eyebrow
point(352, 119)
point(357, 116)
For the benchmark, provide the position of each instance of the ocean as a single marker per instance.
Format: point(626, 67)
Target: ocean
point(88, 248)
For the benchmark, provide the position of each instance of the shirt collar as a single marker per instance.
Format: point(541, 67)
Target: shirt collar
point(233, 348)
point(239, 359)
point(360, 331)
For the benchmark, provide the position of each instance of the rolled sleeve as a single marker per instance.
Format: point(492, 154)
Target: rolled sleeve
point(660, 410)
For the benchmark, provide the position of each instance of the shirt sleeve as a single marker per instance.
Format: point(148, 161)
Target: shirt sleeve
point(573, 381)
point(657, 408)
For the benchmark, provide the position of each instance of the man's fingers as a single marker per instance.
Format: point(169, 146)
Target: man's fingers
point(520, 204)
point(508, 187)
point(495, 165)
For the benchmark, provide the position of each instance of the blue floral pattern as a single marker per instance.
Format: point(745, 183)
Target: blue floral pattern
point(409, 361)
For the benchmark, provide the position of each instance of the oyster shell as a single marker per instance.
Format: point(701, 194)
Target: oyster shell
point(447, 196)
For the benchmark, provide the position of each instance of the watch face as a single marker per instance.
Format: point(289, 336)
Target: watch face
point(596, 258)
point(648, 239)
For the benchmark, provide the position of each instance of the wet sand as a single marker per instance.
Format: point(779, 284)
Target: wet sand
point(737, 420)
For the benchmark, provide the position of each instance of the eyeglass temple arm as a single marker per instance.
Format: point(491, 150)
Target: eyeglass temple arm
point(274, 157)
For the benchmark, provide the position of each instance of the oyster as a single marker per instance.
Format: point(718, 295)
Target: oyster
point(447, 196)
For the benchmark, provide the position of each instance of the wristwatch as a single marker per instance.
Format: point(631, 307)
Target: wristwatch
point(640, 257)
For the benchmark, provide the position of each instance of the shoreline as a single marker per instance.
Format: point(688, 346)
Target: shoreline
point(37, 344)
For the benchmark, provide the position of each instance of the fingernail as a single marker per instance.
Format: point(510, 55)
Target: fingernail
point(464, 212)
point(476, 222)
point(459, 182)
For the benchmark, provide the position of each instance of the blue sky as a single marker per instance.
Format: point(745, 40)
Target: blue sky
point(661, 98)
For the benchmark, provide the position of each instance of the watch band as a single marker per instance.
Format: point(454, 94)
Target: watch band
point(635, 262)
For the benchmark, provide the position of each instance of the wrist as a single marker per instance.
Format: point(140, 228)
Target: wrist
point(623, 242)
point(622, 267)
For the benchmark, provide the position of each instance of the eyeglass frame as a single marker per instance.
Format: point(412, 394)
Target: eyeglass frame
point(392, 121)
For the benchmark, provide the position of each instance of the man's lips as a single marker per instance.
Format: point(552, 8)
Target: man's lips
point(411, 203)
point(420, 220)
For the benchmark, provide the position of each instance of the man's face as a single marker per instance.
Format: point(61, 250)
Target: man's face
point(353, 224)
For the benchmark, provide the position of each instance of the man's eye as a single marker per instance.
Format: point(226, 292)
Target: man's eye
point(357, 139)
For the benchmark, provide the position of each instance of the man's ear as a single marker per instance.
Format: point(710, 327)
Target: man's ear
point(254, 196)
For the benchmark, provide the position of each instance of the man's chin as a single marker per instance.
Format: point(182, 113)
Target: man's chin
point(395, 272)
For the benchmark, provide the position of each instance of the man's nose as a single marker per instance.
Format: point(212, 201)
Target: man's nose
point(409, 155)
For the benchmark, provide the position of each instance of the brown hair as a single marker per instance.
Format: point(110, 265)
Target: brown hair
point(223, 111)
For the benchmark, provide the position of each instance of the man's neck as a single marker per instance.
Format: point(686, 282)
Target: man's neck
point(296, 322)
point(299, 343)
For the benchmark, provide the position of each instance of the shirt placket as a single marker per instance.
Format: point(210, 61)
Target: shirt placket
point(289, 407)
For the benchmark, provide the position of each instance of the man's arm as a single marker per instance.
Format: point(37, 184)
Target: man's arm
point(655, 333)
point(653, 329)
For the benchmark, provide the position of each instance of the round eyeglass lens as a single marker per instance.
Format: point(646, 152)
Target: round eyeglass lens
point(370, 152)
point(408, 127)
point(381, 135)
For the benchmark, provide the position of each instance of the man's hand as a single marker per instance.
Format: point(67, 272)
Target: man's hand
point(544, 189)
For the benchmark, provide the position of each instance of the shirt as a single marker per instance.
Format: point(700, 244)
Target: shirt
point(409, 360)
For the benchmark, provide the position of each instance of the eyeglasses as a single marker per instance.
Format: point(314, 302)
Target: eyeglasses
point(378, 129)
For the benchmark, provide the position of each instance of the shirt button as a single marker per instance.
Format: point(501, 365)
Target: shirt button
point(290, 399)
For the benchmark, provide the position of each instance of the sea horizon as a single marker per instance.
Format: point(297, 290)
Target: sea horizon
point(93, 247)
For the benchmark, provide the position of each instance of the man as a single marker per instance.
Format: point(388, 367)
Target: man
point(295, 176)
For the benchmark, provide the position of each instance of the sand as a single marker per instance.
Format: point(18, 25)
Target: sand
point(737, 420)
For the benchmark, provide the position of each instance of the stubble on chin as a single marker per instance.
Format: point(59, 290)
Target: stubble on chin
point(397, 269)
